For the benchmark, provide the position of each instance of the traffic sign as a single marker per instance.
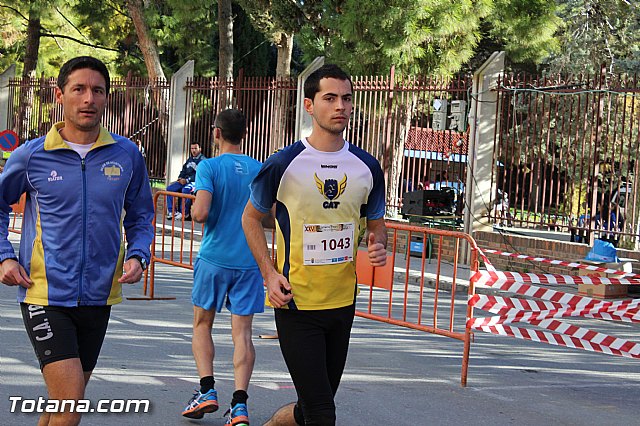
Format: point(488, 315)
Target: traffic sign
point(8, 140)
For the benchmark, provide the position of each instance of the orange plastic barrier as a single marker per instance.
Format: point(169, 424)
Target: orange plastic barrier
point(398, 293)
point(401, 294)
point(18, 212)
point(173, 247)
point(383, 276)
point(174, 243)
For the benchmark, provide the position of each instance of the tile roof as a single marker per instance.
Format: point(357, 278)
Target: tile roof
point(426, 139)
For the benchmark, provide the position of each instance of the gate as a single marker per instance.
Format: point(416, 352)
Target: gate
point(566, 156)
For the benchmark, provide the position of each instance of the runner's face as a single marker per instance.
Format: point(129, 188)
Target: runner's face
point(332, 105)
point(83, 99)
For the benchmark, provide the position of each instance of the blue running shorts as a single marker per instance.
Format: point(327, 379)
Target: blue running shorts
point(240, 290)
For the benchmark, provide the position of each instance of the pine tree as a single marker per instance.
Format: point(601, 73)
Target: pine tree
point(597, 32)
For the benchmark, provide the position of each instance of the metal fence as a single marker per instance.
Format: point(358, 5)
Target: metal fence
point(137, 108)
point(566, 150)
point(392, 119)
point(268, 104)
point(422, 146)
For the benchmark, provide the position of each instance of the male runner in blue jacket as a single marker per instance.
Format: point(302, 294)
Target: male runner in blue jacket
point(83, 184)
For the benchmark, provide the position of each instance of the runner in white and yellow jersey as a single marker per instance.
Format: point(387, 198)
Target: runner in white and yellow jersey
point(324, 190)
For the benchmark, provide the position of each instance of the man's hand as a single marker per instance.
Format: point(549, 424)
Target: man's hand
point(12, 273)
point(278, 290)
point(132, 272)
point(277, 284)
point(377, 252)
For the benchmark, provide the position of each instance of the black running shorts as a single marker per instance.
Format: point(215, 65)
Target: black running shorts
point(58, 333)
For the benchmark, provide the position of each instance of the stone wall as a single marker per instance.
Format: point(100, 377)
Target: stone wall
point(531, 246)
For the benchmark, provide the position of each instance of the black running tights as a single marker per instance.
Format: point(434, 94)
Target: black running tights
point(315, 345)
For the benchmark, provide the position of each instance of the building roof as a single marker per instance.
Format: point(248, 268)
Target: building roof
point(446, 141)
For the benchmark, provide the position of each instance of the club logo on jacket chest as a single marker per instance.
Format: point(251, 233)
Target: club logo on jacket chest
point(112, 170)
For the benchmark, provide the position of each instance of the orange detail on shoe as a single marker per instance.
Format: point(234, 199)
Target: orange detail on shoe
point(201, 409)
point(240, 420)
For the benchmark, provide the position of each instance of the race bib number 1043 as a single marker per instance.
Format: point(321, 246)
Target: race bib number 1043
point(325, 244)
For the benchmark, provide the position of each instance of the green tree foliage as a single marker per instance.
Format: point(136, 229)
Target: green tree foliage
point(182, 30)
point(252, 50)
point(427, 36)
point(185, 30)
point(189, 30)
point(108, 23)
point(597, 32)
point(525, 28)
point(279, 21)
point(61, 35)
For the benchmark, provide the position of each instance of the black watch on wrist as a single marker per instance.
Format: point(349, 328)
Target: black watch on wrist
point(143, 262)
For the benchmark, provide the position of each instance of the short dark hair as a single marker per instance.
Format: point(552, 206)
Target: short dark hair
point(232, 125)
point(312, 84)
point(82, 62)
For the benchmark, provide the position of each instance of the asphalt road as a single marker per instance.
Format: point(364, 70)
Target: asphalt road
point(393, 375)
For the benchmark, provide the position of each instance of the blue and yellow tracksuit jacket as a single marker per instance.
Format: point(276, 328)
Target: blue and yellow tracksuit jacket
point(72, 243)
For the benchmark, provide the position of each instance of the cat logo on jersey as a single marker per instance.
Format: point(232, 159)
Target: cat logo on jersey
point(331, 190)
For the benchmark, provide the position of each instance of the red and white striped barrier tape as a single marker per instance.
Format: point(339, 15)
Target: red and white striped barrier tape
point(524, 289)
point(497, 304)
point(499, 277)
point(486, 261)
point(506, 306)
point(630, 314)
point(532, 291)
point(553, 304)
point(562, 263)
point(622, 347)
point(536, 319)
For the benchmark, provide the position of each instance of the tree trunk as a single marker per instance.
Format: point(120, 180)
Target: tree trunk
point(33, 44)
point(146, 43)
point(394, 156)
point(225, 55)
point(152, 62)
point(284, 43)
point(398, 111)
point(281, 101)
point(30, 62)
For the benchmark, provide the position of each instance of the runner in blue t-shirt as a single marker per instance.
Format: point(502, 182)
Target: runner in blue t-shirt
point(225, 272)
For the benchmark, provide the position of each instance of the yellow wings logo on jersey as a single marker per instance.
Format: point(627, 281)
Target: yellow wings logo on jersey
point(331, 189)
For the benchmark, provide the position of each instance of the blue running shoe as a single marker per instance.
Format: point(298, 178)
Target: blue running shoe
point(238, 415)
point(200, 404)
